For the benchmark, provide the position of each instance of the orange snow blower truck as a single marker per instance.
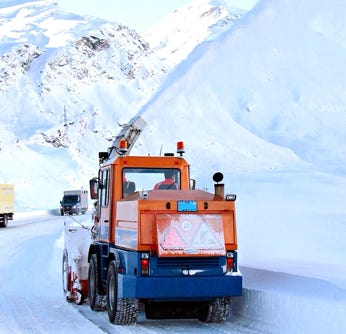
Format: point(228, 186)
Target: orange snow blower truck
point(157, 242)
point(161, 242)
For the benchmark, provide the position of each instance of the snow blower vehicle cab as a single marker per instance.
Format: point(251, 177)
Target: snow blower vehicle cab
point(159, 242)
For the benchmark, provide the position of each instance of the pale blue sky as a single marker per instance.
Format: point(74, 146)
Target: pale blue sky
point(137, 14)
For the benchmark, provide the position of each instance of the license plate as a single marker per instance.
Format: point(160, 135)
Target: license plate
point(187, 206)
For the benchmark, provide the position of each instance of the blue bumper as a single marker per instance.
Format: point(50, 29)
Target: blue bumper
point(179, 288)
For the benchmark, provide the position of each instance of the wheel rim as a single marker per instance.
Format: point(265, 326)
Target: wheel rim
point(92, 284)
point(111, 292)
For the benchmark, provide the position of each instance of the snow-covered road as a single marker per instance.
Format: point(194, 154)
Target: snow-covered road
point(31, 292)
point(32, 301)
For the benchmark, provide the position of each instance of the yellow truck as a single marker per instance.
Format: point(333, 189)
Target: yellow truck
point(6, 203)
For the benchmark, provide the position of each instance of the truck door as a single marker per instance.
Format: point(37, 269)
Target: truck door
point(104, 204)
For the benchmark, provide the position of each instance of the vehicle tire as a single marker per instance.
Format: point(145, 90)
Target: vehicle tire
point(121, 311)
point(215, 311)
point(66, 274)
point(61, 212)
point(96, 296)
point(4, 221)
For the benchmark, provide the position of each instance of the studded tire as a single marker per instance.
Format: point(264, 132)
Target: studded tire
point(121, 311)
point(96, 295)
point(215, 311)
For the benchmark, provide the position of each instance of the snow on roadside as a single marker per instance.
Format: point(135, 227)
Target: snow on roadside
point(312, 306)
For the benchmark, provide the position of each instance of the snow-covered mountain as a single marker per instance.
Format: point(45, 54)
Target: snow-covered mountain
point(65, 83)
point(50, 57)
point(276, 77)
point(175, 36)
point(263, 90)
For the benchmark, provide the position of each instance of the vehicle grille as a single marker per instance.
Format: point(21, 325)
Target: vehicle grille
point(190, 262)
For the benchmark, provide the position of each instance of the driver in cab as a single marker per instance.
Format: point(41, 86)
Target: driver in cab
point(168, 182)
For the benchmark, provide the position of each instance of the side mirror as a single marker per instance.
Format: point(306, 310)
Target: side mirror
point(94, 185)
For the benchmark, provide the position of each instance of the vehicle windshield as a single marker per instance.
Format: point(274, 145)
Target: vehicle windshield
point(70, 199)
point(140, 179)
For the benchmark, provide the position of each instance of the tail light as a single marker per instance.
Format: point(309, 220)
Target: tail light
point(230, 262)
point(145, 264)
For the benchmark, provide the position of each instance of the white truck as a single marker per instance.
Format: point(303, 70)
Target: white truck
point(74, 202)
point(6, 203)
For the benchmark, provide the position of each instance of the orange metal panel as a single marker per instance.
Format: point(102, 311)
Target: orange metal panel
point(229, 229)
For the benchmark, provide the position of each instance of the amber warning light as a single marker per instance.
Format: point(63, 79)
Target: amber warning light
point(122, 146)
point(180, 148)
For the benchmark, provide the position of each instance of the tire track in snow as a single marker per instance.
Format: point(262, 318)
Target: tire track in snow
point(178, 326)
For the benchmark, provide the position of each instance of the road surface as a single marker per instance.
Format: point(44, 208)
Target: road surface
point(32, 300)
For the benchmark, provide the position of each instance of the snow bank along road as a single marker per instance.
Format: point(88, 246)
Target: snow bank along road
point(31, 299)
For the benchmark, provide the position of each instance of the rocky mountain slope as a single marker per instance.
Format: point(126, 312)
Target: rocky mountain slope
point(66, 82)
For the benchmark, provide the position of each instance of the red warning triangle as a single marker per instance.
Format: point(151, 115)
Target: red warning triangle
point(173, 240)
